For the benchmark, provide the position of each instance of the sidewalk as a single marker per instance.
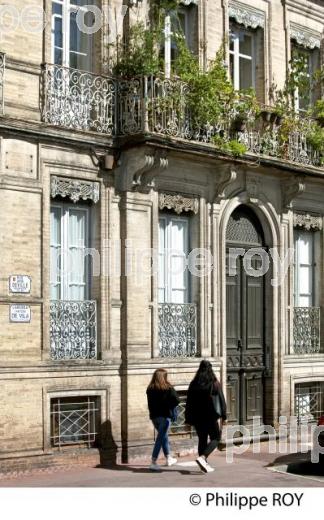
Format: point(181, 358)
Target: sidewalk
point(248, 470)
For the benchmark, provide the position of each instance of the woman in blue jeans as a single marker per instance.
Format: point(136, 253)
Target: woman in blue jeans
point(162, 400)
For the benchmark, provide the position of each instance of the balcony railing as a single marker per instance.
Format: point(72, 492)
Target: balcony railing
point(2, 73)
point(177, 329)
point(117, 107)
point(73, 329)
point(307, 330)
point(79, 100)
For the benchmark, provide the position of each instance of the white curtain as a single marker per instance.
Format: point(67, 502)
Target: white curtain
point(69, 263)
point(173, 253)
point(304, 268)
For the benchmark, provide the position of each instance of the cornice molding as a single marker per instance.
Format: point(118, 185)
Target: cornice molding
point(308, 222)
point(308, 10)
point(304, 36)
point(178, 203)
point(246, 15)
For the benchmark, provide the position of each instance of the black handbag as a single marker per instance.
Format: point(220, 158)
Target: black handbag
point(217, 405)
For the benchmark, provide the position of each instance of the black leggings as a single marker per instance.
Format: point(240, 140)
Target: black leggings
point(204, 431)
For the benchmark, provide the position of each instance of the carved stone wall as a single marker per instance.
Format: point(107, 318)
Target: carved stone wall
point(178, 203)
point(308, 222)
point(305, 37)
point(74, 189)
point(246, 15)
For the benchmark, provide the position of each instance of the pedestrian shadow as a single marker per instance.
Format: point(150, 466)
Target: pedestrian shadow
point(147, 470)
point(107, 446)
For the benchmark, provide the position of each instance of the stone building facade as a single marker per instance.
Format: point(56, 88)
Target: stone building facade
point(89, 184)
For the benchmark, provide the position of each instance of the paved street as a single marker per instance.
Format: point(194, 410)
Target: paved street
point(248, 470)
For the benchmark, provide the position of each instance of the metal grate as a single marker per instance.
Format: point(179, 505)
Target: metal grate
point(80, 100)
point(178, 329)
point(73, 329)
point(306, 330)
point(180, 427)
point(309, 401)
point(74, 420)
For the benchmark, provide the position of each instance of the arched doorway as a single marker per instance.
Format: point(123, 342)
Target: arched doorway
point(245, 318)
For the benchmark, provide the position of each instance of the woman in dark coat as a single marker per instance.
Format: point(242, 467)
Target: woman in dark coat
point(162, 400)
point(205, 406)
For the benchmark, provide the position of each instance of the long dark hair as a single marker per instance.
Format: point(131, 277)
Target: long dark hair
point(159, 380)
point(205, 376)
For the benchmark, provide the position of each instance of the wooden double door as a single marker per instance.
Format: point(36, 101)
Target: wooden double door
point(245, 324)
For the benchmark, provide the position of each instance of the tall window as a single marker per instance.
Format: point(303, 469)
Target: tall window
point(71, 47)
point(179, 23)
point(242, 58)
point(173, 251)
point(69, 262)
point(304, 268)
point(304, 63)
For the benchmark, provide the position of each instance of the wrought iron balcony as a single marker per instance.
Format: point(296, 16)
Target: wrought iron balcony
point(79, 100)
point(161, 106)
point(307, 330)
point(73, 329)
point(178, 329)
point(153, 104)
point(2, 73)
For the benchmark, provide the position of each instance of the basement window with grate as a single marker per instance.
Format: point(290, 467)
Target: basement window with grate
point(75, 421)
point(309, 401)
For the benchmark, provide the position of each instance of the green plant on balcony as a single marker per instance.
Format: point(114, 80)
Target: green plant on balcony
point(315, 138)
point(210, 94)
point(232, 147)
point(290, 124)
point(138, 54)
point(318, 111)
point(246, 109)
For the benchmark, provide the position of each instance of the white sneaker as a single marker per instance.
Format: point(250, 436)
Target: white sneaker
point(155, 467)
point(209, 468)
point(170, 461)
point(204, 466)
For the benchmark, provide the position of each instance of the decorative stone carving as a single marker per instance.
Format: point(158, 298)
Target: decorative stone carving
point(246, 15)
point(308, 222)
point(179, 203)
point(74, 189)
point(154, 163)
point(305, 37)
point(226, 178)
point(292, 189)
point(138, 171)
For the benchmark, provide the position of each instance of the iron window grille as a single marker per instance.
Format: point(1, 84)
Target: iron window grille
point(74, 420)
point(309, 401)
